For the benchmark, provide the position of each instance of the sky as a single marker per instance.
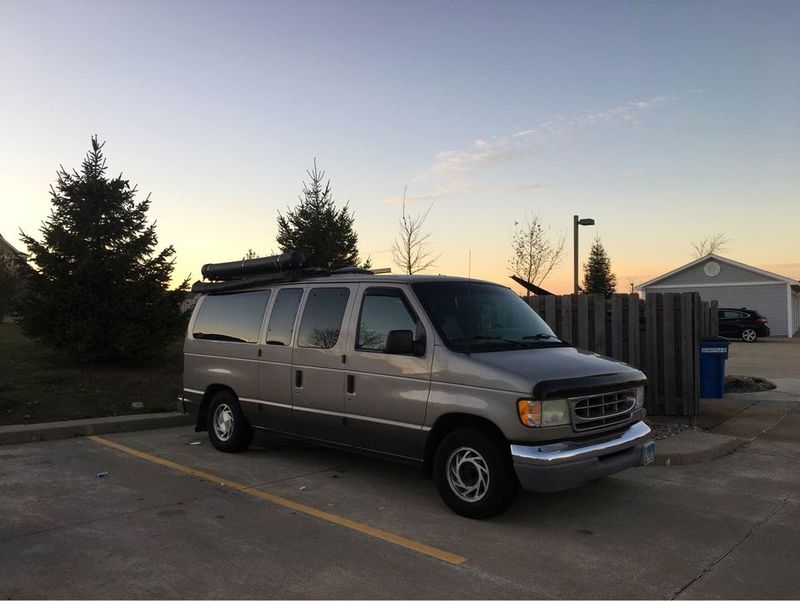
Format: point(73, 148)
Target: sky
point(663, 121)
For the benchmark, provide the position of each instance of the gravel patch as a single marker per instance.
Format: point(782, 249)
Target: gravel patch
point(747, 384)
point(666, 429)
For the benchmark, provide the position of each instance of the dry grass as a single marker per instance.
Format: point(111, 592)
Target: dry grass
point(39, 385)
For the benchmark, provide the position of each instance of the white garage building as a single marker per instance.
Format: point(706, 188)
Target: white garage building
point(736, 285)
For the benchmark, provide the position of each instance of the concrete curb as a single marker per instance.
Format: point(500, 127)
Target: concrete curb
point(692, 446)
point(86, 427)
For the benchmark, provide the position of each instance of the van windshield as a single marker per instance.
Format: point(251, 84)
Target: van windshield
point(480, 317)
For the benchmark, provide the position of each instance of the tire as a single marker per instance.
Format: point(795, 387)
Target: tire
point(227, 426)
point(473, 473)
point(749, 335)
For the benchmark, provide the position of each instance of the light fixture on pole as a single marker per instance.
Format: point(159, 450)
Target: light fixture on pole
point(576, 221)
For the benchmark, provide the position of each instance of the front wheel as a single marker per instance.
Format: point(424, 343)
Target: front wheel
point(749, 335)
point(227, 426)
point(473, 473)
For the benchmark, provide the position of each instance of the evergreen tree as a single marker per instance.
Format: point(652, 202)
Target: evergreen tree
point(98, 290)
point(597, 276)
point(323, 233)
point(9, 286)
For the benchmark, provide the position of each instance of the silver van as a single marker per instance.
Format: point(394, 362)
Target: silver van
point(458, 376)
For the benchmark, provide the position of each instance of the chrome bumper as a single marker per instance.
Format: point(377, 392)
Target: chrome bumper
point(560, 452)
point(560, 465)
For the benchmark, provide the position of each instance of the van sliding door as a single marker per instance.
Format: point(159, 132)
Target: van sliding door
point(318, 380)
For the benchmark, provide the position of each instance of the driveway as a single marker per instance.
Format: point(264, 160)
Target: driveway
point(174, 519)
point(768, 358)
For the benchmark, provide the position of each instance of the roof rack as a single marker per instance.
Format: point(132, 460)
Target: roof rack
point(288, 267)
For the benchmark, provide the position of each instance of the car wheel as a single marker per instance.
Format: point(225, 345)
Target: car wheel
point(473, 473)
point(227, 426)
point(749, 335)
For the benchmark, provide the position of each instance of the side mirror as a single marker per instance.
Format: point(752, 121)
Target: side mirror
point(399, 342)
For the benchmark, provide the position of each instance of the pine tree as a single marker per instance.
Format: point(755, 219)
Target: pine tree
point(597, 276)
point(323, 233)
point(98, 290)
point(9, 286)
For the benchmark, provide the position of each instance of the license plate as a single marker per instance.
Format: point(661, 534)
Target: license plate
point(649, 452)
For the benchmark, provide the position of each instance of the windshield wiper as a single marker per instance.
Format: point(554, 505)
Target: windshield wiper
point(542, 336)
point(498, 338)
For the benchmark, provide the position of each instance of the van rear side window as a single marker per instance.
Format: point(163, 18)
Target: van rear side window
point(322, 317)
point(231, 317)
point(284, 311)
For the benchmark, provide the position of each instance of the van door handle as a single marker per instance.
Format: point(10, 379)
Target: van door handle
point(298, 378)
point(351, 384)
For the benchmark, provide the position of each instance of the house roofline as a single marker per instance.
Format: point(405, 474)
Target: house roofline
point(20, 254)
point(749, 268)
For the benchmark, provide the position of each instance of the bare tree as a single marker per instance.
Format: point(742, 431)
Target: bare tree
point(709, 245)
point(410, 251)
point(534, 253)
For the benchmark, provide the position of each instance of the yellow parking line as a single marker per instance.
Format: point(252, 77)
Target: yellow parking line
point(299, 507)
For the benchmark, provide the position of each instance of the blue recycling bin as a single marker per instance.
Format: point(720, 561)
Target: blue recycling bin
point(713, 354)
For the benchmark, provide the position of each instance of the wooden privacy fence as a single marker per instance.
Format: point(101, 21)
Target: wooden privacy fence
point(660, 335)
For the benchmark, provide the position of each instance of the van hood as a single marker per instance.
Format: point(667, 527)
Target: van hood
point(555, 369)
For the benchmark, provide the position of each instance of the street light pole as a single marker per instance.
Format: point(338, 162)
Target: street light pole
point(576, 221)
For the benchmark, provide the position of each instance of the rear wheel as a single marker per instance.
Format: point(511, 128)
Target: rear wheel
point(227, 426)
point(749, 335)
point(473, 473)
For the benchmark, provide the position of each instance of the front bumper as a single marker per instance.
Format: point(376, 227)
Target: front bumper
point(561, 465)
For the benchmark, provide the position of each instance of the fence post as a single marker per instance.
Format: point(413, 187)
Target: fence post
point(566, 319)
point(550, 311)
point(599, 306)
point(583, 321)
point(651, 315)
point(633, 330)
point(688, 317)
point(668, 355)
point(696, 348)
point(616, 327)
point(714, 319)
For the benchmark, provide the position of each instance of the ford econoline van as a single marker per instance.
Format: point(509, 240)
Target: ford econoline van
point(457, 375)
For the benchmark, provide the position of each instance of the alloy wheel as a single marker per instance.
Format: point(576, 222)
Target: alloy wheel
point(223, 422)
point(468, 474)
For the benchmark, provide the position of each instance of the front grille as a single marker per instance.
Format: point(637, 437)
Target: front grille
point(601, 410)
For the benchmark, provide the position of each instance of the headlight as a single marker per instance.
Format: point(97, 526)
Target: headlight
point(536, 414)
point(639, 397)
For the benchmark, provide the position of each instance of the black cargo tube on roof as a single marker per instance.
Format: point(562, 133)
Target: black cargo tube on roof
point(249, 267)
point(260, 279)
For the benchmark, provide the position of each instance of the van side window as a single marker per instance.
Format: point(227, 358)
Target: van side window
point(322, 317)
point(382, 310)
point(233, 317)
point(281, 321)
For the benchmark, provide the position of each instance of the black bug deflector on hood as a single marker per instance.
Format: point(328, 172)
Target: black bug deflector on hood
point(557, 371)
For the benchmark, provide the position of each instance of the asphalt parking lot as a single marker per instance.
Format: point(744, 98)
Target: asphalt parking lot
point(173, 519)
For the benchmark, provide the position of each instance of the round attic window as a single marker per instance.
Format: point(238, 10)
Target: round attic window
point(711, 269)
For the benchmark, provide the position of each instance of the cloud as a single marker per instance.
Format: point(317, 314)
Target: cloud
point(489, 152)
point(451, 169)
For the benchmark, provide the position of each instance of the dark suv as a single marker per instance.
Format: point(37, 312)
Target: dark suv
point(747, 324)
